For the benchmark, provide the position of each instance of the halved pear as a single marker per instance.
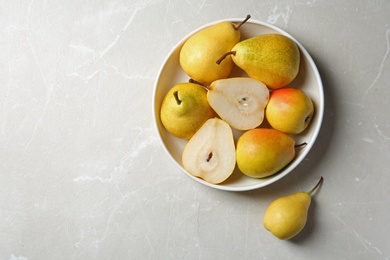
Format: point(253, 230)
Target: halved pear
point(210, 154)
point(240, 101)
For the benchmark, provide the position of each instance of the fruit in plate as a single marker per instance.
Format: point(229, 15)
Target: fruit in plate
point(289, 110)
point(271, 58)
point(240, 101)
point(210, 154)
point(262, 152)
point(184, 109)
point(201, 50)
point(285, 217)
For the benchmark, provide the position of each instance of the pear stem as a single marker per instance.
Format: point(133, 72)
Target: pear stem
point(224, 56)
point(300, 145)
point(176, 95)
point(315, 187)
point(238, 25)
point(197, 82)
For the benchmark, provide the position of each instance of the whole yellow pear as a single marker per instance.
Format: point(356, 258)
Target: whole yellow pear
point(289, 110)
point(200, 52)
point(262, 152)
point(271, 58)
point(184, 109)
point(285, 217)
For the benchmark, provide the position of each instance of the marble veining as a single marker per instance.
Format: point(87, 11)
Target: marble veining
point(83, 171)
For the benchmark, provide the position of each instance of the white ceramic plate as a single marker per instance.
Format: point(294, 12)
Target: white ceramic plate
point(308, 80)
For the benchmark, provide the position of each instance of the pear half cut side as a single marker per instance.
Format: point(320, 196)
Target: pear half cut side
point(210, 154)
point(240, 101)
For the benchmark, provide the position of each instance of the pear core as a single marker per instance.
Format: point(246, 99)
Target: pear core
point(210, 154)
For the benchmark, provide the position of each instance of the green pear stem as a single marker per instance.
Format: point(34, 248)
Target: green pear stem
point(238, 25)
point(224, 56)
point(300, 145)
point(176, 95)
point(315, 187)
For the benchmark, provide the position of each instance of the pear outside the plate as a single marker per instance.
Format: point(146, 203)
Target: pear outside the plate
point(285, 217)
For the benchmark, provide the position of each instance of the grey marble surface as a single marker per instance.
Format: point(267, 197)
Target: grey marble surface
point(84, 175)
